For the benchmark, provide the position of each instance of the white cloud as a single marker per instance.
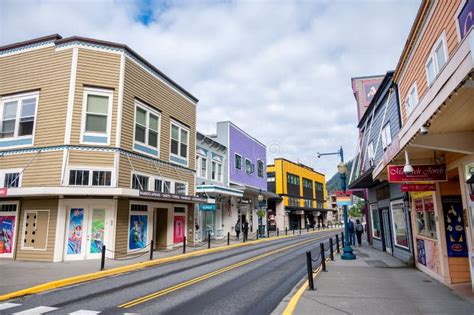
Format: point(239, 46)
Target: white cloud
point(280, 70)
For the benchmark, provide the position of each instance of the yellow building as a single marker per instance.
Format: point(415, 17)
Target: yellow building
point(303, 191)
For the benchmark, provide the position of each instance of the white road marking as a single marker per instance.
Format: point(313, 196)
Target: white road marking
point(37, 310)
point(84, 312)
point(4, 306)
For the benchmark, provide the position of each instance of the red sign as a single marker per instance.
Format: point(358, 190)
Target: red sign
point(340, 193)
point(421, 173)
point(419, 205)
point(418, 187)
point(3, 192)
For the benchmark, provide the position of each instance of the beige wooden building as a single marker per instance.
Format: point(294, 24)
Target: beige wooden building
point(97, 147)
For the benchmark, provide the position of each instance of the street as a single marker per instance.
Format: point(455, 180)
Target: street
point(249, 279)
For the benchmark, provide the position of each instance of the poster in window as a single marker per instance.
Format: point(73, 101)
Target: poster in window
point(420, 247)
point(454, 225)
point(76, 221)
point(138, 231)
point(97, 230)
point(7, 232)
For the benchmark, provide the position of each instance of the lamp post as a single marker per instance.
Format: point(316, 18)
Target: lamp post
point(260, 218)
point(348, 254)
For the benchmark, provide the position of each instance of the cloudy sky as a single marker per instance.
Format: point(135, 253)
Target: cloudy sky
point(279, 69)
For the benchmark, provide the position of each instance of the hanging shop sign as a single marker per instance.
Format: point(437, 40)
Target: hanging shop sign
point(454, 224)
point(207, 207)
point(340, 193)
point(417, 187)
point(344, 201)
point(3, 192)
point(421, 173)
point(155, 194)
point(465, 18)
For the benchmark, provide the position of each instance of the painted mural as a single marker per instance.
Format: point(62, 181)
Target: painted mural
point(7, 232)
point(432, 256)
point(454, 225)
point(138, 231)
point(76, 222)
point(97, 231)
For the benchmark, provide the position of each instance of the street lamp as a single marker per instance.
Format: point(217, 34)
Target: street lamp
point(348, 254)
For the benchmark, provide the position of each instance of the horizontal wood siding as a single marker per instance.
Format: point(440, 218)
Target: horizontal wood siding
point(38, 204)
point(49, 71)
point(141, 84)
point(99, 69)
point(142, 166)
point(91, 158)
point(443, 19)
point(121, 237)
point(459, 270)
point(44, 169)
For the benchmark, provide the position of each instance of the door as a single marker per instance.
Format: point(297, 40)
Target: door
point(178, 233)
point(209, 223)
point(387, 231)
point(86, 233)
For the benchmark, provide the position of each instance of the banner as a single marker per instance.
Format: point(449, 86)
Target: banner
point(138, 231)
point(7, 232)
point(76, 221)
point(417, 187)
point(421, 173)
point(454, 224)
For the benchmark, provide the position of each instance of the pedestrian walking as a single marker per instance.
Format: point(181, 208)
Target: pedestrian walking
point(359, 229)
point(245, 230)
point(237, 229)
point(351, 230)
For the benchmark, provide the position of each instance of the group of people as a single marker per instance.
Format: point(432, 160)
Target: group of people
point(244, 228)
point(354, 230)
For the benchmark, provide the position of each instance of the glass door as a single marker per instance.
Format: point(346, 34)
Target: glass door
point(387, 231)
point(8, 227)
point(75, 248)
point(95, 232)
point(209, 223)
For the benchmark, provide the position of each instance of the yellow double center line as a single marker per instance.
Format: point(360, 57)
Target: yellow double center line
point(211, 274)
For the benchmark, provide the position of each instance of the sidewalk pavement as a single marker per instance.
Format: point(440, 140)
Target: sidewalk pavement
point(377, 283)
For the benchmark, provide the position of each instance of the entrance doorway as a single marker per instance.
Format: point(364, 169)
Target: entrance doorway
point(178, 231)
point(387, 231)
point(86, 232)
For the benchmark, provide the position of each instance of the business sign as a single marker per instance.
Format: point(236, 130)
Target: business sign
point(421, 173)
point(3, 192)
point(454, 224)
point(465, 18)
point(207, 207)
point(340, 193)
point(160, 195)
point(417, 187)
point(344, 201)
point(369, 88)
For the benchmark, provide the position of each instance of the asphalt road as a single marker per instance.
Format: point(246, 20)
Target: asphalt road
point(246, 280)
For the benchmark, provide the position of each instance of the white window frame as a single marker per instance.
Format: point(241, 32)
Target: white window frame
point(433, 56)
point(386, 136)
point(370, 151)
point(397, 202)
point(410, 102)
point(15, 214)
point(3, 172)
point(374, 207)
point(149, 110)
point(19, 98)
point(23, 247)
point(199, 159)
point(180, 126)
point(263, 168)
point(180, 182)
point(152, 178)
point(235, 164)
point(100, 92)
point(251, 166)
point(90, 169)
point(217, 178)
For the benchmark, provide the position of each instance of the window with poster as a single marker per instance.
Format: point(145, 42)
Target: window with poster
point(8, 227)
point(375, 219)
point(425, 217)
point(399, 223)
point(138, 227)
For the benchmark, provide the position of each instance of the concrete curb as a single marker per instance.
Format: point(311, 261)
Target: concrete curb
point(137, 266)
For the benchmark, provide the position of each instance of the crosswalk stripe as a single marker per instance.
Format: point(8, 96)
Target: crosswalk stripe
point(37, 310)
point(84, 312)
point(4, 306)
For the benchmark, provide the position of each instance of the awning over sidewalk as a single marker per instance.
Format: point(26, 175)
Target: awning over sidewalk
point(216, 189)
point(254, 191)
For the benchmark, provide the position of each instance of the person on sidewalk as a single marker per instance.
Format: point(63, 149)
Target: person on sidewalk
point(237, 229)
point(245, 230)
point(351, 230)
point(359, 229)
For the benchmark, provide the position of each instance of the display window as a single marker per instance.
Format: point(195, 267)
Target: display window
point(374, 213)
point(399, 223)
point(425, 217)
point(138, 227)
point(8, 228)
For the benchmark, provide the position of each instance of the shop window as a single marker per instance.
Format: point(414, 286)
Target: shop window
point(147, 127)
point(8, 221)
point(399, 224)
point(179, 143)
point(180, 188)
point(138, 227)
point(17, 119)
point(238, 161)
point(140, 182)
point(35, 229)
point(97, 112)
point(294, 201)
point(425, 217)
point(260, 168)
point(374, 214)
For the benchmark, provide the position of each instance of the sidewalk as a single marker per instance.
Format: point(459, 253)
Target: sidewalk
point(376, 283)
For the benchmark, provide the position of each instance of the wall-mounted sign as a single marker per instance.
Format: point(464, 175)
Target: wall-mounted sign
point(417, 187)
point(466, 18)
point(3, 192)
point(454, 224)
point(207, 207)
point(340, 193)
point(419, 205)
point(160, 195)
point(421, 173)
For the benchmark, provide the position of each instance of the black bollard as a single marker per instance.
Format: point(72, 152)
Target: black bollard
point(151, 249)
point(307, 229)
point(286, 231)
point(337, 244)
point(102, 258)
point(300, 230)
point(278, 232)
point(331, 249)
point(228, 238)
point(208, 239)
point(268, 232)
point(293, 231)
point(342, 239)
point(323, 257)
point(309, 265)
point(184, 245)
